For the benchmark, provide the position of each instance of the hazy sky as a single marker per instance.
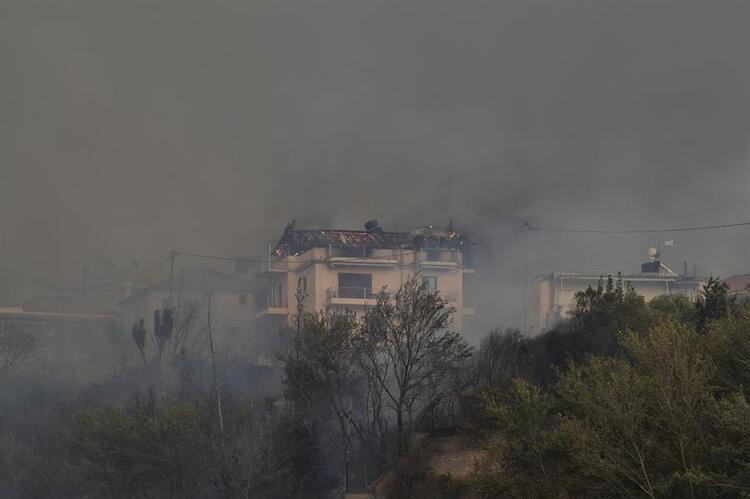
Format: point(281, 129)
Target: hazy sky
point(128, 128)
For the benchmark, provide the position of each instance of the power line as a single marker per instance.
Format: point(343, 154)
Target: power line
point(224, 258)
point(637, 231)
point(502, 235)
point(156, 270)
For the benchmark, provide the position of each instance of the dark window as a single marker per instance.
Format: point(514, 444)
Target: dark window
point(431, 283)
point(355, 285)
point(277, 299)
point(353, 251)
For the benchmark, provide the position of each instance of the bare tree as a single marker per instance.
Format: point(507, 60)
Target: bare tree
point(18, 349)
point(217, 387)
point(408, 355)
point(321, 373)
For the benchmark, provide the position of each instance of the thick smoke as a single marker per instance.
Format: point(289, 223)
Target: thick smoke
point(132, 128)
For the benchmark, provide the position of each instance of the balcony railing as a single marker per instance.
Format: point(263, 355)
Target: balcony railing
point(351, 292)
point(438, 255)
point(274, 265)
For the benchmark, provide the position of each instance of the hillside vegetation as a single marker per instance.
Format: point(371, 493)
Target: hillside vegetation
point(623, 399)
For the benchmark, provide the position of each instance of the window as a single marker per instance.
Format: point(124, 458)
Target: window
point(277, 298)
point(243, 299)
point(355, 285)
point(431, 283)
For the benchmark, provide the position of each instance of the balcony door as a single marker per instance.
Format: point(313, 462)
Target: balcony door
point(355, 285)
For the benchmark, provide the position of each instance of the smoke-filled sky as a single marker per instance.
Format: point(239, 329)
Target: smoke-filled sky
point(128, 128)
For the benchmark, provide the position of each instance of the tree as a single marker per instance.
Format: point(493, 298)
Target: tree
point(163, 328)
point(712, 304)
point(407, 354)
point(499, 357)
point(644, 427)
point(728, 341)
point(321, 372)
point(139, 337)
point(18, 349)
point(675, 307)
point(164, 452)
point(524, 465)
point(601, 314)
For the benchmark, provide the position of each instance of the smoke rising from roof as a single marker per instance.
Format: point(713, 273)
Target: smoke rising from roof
point(131, 128)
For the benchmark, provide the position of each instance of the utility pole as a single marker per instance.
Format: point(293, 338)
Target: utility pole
point(526, 228)
point(172, 258)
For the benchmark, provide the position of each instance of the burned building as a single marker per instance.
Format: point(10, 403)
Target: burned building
point(345, 269)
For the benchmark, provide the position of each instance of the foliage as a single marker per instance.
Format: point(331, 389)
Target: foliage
point(411, 477)
point(164, 323)
point(18, 349)
point(144, 451)
point(601, 314)
point(20, 468)
point(677, 308)
point(138, 333)
point(523, 416)
point(173, 449)
point(321, 373)
point(713, 303)
point(408, 355)
point(379, 377)
point(654, 422)
point(500, 357)
point(729, 342)
point(624, 399)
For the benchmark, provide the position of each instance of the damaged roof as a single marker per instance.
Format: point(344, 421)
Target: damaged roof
point(296, 241)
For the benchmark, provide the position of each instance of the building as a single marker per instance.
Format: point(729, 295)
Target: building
point(552, 296)
point(739, 286)
point(346, 269)
point(232, 306)
point(79, 342)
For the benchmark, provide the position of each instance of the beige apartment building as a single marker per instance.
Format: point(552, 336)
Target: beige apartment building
point(346, 269)
point(552, 296)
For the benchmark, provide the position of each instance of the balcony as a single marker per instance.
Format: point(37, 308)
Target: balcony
point(276, 306)
point(435, 257)
point(272, 311)
point(353, 296)
point(273, 265)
